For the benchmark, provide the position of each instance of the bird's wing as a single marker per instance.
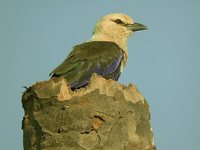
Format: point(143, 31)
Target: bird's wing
point(99, 57)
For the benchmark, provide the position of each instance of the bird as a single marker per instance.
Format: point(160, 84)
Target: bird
point(105, 53)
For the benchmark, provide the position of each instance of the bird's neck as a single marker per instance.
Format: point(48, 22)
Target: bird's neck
point(120, 41)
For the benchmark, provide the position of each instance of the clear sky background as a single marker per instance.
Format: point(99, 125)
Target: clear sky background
point(164, 62)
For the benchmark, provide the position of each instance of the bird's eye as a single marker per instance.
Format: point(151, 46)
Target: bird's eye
point(118, 21)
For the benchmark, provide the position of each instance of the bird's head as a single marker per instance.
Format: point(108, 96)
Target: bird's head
point(116, 28)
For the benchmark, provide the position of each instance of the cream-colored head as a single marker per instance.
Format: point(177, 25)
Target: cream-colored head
point(116, 28)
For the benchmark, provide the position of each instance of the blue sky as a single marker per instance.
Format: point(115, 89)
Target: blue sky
point(163, 62)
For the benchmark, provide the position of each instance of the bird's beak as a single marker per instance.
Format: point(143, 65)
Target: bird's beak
point(136, 27)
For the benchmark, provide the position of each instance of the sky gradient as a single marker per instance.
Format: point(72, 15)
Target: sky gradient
point(35, 36)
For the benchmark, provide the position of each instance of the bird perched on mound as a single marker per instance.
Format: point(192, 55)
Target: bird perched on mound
point(105, 53)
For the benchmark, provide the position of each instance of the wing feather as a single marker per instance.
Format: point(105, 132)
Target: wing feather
point(103, 58)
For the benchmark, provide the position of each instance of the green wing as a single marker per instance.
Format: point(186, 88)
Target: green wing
point(103, 58)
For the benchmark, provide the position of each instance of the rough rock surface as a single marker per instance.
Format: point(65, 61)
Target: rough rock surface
point(105, 115)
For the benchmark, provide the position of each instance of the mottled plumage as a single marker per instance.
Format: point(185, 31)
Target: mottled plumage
point(105, 53)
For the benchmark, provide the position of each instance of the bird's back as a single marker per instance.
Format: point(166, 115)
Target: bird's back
point(101, 57)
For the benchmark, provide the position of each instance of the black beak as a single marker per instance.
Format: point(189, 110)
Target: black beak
point(136, 27)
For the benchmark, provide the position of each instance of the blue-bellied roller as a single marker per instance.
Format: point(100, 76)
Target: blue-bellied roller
point(105, 53)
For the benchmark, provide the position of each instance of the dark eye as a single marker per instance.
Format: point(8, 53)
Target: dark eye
point(118, 21)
